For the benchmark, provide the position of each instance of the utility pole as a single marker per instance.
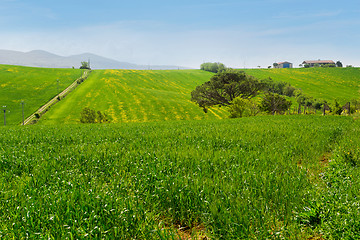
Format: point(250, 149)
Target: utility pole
point(22, 104)
point(4, 108)
point(57, 80)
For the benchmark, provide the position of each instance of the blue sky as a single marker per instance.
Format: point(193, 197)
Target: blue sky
point(242, 33)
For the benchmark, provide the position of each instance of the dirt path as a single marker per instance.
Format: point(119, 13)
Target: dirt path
point(56, 99)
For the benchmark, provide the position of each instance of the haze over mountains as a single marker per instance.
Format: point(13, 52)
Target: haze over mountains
point(39, 58)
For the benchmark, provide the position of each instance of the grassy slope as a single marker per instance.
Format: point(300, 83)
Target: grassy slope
point(136, 96)
point(342, 84)
point(251, 178)
point(35, 86)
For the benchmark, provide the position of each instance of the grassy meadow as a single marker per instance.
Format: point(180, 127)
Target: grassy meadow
point(253, 178)
point(342, 84)
point(136, 96)
point(34, 86)
point(147, 176)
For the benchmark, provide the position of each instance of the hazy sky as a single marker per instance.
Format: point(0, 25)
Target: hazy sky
point(239, 33)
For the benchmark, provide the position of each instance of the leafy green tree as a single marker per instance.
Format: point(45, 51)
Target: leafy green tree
point(274, 103)
point(339, 64)
point(243, 108)
point(213, 67)
point(224, 87)
point(318, 104)
point(89, 115)
point(354, 105)
point(279, 87)
point(289, 90)
point(336, 108)
point(301, 100)
point(85, 65)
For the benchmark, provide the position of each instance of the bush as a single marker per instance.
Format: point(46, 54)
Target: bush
point(289, 90)
point(274, 103)
point(89, 115)
point(243, 108)
point(278, 87)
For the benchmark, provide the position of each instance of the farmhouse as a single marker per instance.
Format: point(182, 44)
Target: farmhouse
point(284, 65)
point(313, 63)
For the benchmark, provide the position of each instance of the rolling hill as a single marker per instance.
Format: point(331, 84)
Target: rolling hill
point(34, 86)
point(266, 177)
point(342, 84)
point(136, 96)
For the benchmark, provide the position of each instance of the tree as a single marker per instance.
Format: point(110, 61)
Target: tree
point(89, 115)
point(213, 67)
point(282, 88)
point(339, 64)
point(85, 65)
point(224, 87)
point(289, 90)
point(274, 103)
point(301, 100)
point(243, 108)
point(275, 65)
point(336, 108)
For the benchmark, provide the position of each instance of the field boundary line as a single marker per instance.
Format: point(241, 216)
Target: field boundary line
point(33, 118)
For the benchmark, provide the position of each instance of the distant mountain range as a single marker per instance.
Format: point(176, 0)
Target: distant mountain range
point(39, 58)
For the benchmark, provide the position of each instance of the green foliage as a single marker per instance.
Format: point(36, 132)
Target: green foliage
point(85, 65)
point(274, 103)
point(282, 88)
point(336, 108)
point(318, 104)
point(34, 86)
point(224, 87)
point(241, 107)
point(215, 67)
point(89, 115)
point(234, 179)
point(339, 64)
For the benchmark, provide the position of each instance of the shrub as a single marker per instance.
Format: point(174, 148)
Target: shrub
point(89, 115)
point(274, 103)
point(243, 108)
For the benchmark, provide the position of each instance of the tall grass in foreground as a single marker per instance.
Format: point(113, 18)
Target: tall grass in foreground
point(246, 178)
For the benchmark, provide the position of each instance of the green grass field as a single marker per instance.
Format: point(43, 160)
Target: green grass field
point(269, 177)
point(342, 84)
point(34, 86)
point(136, 96)
point(265, 177)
